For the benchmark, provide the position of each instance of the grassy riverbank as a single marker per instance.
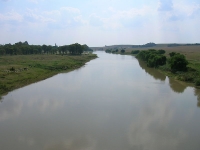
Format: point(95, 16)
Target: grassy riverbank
point(191, 53)
point(20, 70)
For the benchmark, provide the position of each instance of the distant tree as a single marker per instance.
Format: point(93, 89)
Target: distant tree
point(108, 51)
point(44, 48)
point(23, 48)
point(135, 52)
point(75, 48)
point(122, 51)
point(25, 43)
point(172, 54)
point(161, 51)
point(86, 48)
point(149, 45)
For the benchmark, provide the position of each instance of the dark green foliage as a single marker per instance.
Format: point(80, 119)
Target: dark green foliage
point(135, 52)
point(161, 51)
point(156, 60)
point(152, 57)
point(197, 82)
point(149, 45)
point(86, 48)
point(122, 51)
point(23, 48)
point(12, 69)
point(172, 54)
point(75, 48)
point(108, 51)
point(111, 50)
point(178, 62)
point(173, 45)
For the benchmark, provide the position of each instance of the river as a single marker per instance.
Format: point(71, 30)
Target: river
point(112, 103)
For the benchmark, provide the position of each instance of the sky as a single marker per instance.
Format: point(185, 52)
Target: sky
point(99, 22)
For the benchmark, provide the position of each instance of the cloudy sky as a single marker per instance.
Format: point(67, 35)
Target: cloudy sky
point(99, 22)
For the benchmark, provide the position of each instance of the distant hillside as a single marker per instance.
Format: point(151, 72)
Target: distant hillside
point(148, 45)
point(123, 46)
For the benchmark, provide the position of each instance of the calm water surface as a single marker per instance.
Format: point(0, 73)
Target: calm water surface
point(113, 103)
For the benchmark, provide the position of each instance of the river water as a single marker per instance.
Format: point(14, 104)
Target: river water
point(112, 103)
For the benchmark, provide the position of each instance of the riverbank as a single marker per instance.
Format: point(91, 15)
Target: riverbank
point(191, 53)
point(20, 70)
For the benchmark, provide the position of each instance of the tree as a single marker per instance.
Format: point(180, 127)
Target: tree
point(152, 57)
point(44, 48)
point(135, 52)
point(86, 48)
point(161, 51)
point(172, 54)
point(178, 62)
point(122, 51)
point(108, 51)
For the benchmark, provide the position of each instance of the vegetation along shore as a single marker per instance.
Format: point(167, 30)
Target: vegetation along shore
point(180, 61)
point(22, 64)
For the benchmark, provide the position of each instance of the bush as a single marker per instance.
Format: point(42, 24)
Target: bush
point(161, 51)
point(172, 54)
point(135, 52)
point(12, 69)
point(153, 58)
point(122, 51)
point(197, 82)
point(108, 51)
point(178, 62)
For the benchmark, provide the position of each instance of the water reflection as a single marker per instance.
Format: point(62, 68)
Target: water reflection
point(76, 143)
point(177, 86)
point(197, 93)
point(10, 109)
point(151, 71)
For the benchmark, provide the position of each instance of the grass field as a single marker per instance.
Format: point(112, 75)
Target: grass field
point(20, 70)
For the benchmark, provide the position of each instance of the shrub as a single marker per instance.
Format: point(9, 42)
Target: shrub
point(122, 51)
point(12, 69)
point(161, 51)
point(178, 62)
point(108, 51)
point(153, 58)
point(135, 52)
point(197, 82)
point(172, 54)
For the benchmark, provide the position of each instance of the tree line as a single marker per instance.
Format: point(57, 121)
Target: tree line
point(155, 58)
point(23, 48)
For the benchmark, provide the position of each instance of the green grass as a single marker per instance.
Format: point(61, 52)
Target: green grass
point(20, 70)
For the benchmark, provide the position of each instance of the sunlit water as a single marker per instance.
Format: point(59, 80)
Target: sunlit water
point(112, 103)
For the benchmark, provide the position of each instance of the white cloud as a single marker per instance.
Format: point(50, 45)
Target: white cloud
point(70, 10)
point(147, 23)
point(35, 16)
point(187, 9)
point(11, 16)
point(116, 19)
